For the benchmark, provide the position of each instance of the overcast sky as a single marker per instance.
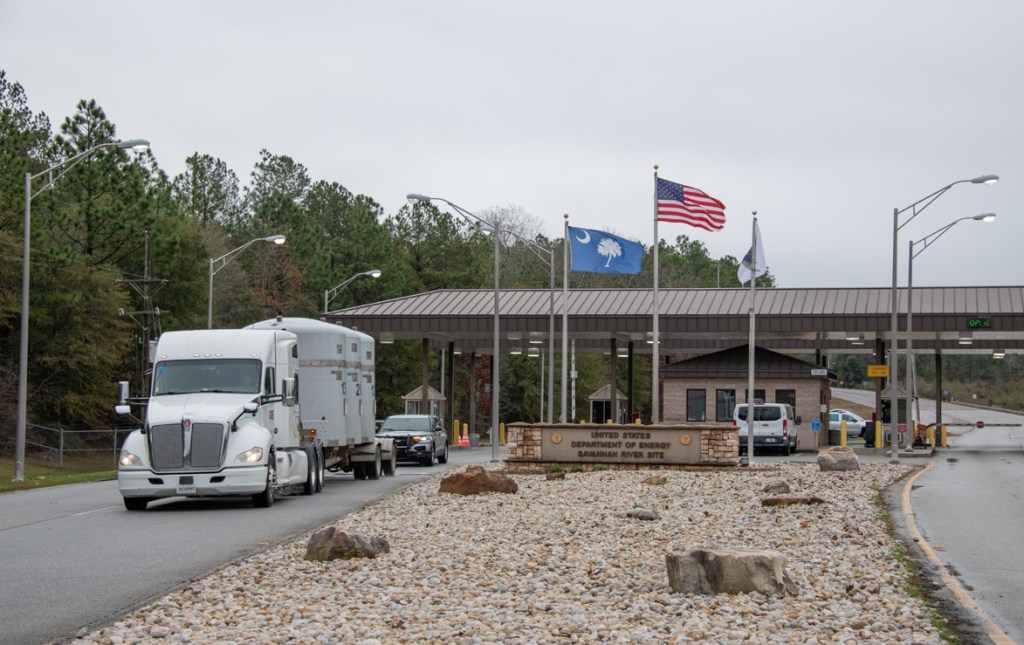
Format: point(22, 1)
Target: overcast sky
point(821, 116)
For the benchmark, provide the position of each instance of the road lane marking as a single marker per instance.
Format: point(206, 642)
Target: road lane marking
point(95, 510)
point(998, 636)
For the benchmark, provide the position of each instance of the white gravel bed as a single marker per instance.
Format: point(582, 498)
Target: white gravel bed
point(559, 562)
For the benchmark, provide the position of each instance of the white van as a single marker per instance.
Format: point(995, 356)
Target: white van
point(774, 426)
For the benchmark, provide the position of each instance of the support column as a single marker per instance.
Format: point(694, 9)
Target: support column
point(449, 404)
point(629, 382)
point(938, 391)
point(425, 380)
point(879, 359)
point(473, 387)
point(615, 382)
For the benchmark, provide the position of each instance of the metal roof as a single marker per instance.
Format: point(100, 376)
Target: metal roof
point(702, 320)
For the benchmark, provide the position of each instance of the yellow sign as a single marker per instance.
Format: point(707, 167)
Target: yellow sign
point(878, 371)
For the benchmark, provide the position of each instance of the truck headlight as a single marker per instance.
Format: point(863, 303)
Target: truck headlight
point(419, 438)
point(253, 455)
point(129, 459)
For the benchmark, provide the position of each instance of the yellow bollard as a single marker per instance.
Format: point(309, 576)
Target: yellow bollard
point(943, 444)
point(636, 421)
point(931, 436)
point(501, 432)
point(878, 435)
point(842, 433)
point(454, 441)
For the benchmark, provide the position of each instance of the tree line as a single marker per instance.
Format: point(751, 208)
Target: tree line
point(120, 252)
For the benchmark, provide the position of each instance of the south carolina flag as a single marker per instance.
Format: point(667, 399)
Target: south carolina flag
point(600, 252)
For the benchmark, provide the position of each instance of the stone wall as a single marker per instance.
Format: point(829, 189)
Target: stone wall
point(533, 448)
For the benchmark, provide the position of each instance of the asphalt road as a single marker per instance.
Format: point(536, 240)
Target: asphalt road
point(968, 506)
point(73, 557)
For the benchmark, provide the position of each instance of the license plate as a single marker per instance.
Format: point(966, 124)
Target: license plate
point(185, 490)
point(770, 440)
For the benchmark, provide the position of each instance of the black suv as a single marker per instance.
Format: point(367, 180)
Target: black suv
point(417, 437)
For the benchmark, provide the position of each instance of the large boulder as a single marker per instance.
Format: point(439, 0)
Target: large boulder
point(333, 543)
point(732, 571)
point(476, 480)
point(837, 458)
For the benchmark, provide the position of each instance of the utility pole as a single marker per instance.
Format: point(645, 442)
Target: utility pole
point(148, 318)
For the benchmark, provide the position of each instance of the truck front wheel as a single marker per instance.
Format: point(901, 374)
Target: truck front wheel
point(266, 498)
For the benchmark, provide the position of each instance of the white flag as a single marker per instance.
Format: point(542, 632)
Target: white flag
point(747, 269)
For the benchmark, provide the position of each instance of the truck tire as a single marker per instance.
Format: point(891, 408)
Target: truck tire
point(136, 503)
point(786, 450)
point(390, 465)
point(320, 471)
point(428, 461)
point(443, 458)
point(266, 498)
point(375, 467)
point(358, 471)
point(309, 488)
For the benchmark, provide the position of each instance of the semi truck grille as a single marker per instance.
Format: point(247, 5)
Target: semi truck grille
point(206, 446)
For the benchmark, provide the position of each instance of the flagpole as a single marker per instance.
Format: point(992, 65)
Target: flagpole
point(655, 340)
point(750, 345)
point(565, 315)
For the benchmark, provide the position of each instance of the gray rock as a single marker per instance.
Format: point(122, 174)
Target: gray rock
point(476, 480)
point(732, 571)
point(645, 514)
point(656, 480)
point(333, 543)
point(776, 487)
point(838, 458)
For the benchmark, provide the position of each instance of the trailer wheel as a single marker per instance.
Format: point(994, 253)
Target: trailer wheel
point(136, 503)
point(358, 471)
point(319, 469)
point(375, 466)
point(309, 487)
point(266, 498)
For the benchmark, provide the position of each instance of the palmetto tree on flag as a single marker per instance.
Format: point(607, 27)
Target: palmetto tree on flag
point(609, 248)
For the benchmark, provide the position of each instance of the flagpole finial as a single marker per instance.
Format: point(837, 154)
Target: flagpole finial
point(566, 216)
point(755, 213)
point(655, 166)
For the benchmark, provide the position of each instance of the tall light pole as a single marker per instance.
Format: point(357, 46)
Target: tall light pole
point(330, 293)
point(495, 365)
point(224, 259)
point(138, 145)
point(916, 208)
point(924, 243)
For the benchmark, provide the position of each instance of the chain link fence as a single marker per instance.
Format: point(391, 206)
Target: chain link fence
point(61, 443)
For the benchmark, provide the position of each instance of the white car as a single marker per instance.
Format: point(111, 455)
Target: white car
point(855, 424)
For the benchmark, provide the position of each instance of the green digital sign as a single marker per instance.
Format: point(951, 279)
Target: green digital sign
point(979, 323)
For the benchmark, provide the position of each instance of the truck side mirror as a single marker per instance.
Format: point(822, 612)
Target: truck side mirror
point(798, 421)
point(288, 391)
point(123, 410)
point(122, 393)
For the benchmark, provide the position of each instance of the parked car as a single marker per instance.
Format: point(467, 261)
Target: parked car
point(855, 424)
point(417, 437)
point(774, 426)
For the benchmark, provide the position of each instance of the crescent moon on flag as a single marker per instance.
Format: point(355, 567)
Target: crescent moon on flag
point(585, 239)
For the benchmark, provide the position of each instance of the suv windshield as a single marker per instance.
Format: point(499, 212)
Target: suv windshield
point(761, 413)
point(236, 375)
point(406, 423)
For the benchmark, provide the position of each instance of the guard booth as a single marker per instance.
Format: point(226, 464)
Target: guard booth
point(901, 422)
point(601, 406)
point(414, 402)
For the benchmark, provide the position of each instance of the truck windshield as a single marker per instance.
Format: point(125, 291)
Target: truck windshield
point(236, 375)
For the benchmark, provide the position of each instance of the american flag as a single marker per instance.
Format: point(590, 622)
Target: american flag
point(689, 205)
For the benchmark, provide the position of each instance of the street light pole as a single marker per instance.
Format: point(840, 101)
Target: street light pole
point(495, 364)
point(330, 293)
point(924, 242)
point(137, 145)
point(224, 259)
point(916, 208)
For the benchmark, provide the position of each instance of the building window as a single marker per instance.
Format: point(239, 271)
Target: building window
point(725, 403)
point(758, 396)
point(696, 405)
point(786, 396)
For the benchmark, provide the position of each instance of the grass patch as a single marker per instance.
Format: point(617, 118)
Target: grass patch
point(555, 468)
point(40, 474)
point(913, 585)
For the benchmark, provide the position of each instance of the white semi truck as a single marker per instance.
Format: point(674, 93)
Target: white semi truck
point(260, 412)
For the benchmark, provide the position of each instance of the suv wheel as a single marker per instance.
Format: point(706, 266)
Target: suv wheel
point(428, 461)
point(443, 458)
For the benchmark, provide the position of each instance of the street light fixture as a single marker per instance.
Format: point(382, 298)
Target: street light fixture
point(923, 243)
point(330, 293)
point(224, 259)
point(495, 365)
point(136, 145)
point(916, 208)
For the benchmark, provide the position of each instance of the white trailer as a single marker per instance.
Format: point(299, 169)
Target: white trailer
point(225, 416)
